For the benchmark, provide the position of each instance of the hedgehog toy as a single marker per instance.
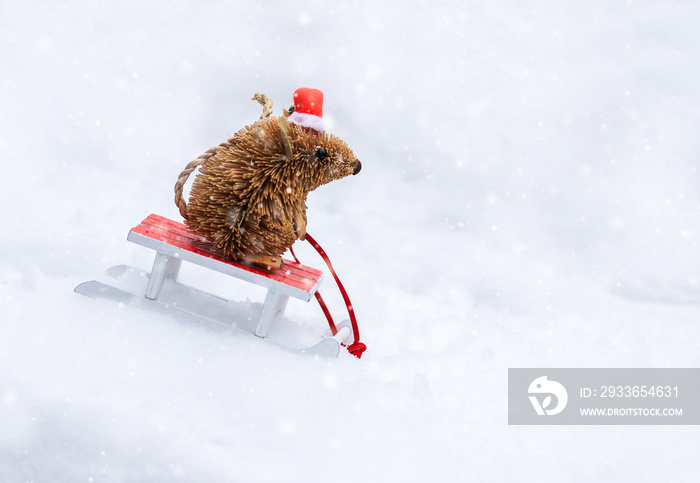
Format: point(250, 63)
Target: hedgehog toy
point(249, 197)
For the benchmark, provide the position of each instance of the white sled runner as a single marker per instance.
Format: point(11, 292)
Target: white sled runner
point(173, 243)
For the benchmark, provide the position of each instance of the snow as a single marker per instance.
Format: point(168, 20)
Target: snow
point(529, 198)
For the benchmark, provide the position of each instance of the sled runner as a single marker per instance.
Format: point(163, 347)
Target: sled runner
point(173, 243)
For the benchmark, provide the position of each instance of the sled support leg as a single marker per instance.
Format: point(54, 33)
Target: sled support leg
point(164, 267)
point(275, 303)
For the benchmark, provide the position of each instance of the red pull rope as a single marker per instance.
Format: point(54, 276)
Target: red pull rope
point(357, 347)
point(326, 312)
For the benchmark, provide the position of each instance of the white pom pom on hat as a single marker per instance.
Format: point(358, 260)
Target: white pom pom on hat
point(308, 108)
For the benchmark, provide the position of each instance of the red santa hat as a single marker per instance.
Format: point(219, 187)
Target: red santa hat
point(308, 108)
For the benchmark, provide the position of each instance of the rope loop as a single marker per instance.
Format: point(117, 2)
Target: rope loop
point(357, 348)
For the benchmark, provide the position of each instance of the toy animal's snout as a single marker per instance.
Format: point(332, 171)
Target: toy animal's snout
point(356, 166)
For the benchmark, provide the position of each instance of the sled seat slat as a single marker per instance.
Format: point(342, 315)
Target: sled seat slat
point(175, 240)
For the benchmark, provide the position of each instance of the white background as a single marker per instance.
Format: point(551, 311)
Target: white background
point(529, 198)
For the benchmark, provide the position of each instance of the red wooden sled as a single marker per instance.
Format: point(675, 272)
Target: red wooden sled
point(173, 243)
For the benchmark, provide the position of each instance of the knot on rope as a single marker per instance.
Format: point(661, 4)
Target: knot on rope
point(356, 349)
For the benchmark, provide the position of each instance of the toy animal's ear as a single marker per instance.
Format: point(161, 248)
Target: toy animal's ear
point(284, 128)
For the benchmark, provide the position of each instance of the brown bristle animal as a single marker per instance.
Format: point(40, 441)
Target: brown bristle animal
point(249, 197)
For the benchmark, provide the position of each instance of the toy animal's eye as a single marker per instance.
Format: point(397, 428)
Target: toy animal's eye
point(321, 153)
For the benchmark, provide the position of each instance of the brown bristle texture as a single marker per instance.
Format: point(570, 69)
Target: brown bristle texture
point(249, 197)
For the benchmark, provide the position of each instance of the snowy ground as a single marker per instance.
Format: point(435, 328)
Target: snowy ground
point(529, 198)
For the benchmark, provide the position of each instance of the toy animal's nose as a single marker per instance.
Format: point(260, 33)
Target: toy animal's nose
point(357, 166)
